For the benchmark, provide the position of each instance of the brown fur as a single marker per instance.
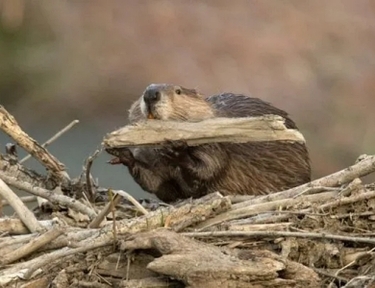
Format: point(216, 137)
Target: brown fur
point(181, 172)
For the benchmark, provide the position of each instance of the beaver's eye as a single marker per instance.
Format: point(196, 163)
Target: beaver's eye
point(178, 91)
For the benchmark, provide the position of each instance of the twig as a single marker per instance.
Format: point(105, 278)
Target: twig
point(32, 246)
point(353, 186)
point(275, 234)
point(348, 200)
point(263, 207)
point(26, 216)
point(89, 162)
point(14, 226)
point(49, 195)
point(327, 274)
point(46, 259)
point(131, 199)
point(116, 199)
point(113, 214)
point(25, 199)
point(53, 138)
point(220, 129)
point(346, 215)
point(10, 126)
point(107, 208)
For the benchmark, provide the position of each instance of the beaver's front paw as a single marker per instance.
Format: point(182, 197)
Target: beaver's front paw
point(122, 156)
point(176, 145)
point(174, 150)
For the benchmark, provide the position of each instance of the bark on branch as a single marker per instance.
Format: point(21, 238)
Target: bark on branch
point(10, 126)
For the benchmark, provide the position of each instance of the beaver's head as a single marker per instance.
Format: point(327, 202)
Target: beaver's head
point(171, 102)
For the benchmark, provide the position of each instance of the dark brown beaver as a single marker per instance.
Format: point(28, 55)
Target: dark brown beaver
point(177, 171)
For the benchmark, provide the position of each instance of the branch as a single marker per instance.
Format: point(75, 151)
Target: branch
point(32, 246)
point(265, 207)
point(238, 130)
point(26, 216)
point(276, 234)
point(10, 126)
point(49, 195)
point(24, 199)
point(358, 170)
point(53, 138)
point(11, 226)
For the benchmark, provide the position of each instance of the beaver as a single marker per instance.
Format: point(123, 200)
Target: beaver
point(177, 171)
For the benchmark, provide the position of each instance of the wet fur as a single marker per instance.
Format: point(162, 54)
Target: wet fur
point(244, 169)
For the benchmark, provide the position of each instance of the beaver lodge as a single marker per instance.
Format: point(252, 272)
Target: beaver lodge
point(319, 234)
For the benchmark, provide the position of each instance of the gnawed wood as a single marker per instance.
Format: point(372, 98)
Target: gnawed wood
point(201, 265)
point(238, 130)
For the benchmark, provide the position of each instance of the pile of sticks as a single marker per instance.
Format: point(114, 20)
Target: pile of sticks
point(75, 240)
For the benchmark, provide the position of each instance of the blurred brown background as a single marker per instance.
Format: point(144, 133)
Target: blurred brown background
point(88, 60)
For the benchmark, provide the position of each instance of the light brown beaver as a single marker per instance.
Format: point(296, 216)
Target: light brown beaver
point(177, 171)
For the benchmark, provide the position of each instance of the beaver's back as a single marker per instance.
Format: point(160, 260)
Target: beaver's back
point(237, 105)
point(258, 167)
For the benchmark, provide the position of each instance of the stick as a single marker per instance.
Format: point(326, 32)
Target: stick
point(26, 216)
point(132, 200)
point(358, 170)
point(49, 195)
point(265, 207)
point(90, 161)
point(53, 138)
point(10, 126)
point(12, 226)
point(32, 246)
point(116, 199)
point(238, 130)
point(25, 199)
point(276, 234)
point(46, 259)
point(107, 208)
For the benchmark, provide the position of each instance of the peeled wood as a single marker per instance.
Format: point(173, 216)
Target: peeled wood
point(202, 265)
point(238, 130)
point(26, 216)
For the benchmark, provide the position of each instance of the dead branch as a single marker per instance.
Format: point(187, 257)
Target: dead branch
point(238, 130)
point(259, 227)
point(107, 208)
point(16, 227)
point(116, 199)
point(26, 216)
point(49, 195)
point(10, 126)
point(275, 234)
point(89, 163)
point(15, 170)
point(358, 170)
point(88, 239)
point(265, 207)
point(32, 246)
point(24, 199)
point(53, 138)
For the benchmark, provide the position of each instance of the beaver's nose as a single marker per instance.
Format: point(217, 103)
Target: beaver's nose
point(152, 95)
